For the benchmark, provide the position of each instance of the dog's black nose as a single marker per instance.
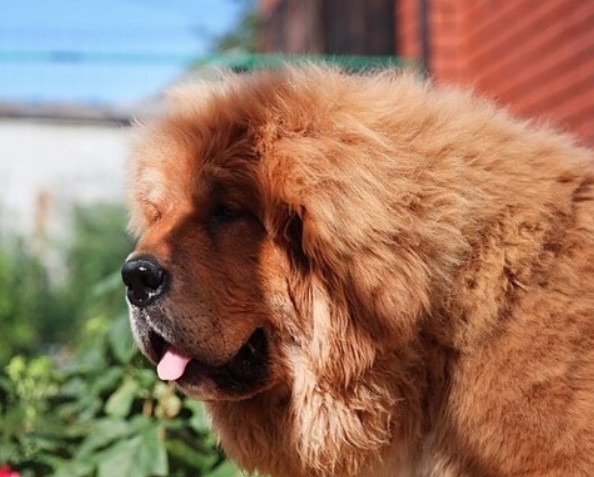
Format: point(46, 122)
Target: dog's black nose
point(144, 279)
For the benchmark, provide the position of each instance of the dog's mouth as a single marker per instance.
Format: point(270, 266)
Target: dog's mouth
point(246, 374)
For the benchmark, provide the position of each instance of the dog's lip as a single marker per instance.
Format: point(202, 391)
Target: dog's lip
point(254, 349)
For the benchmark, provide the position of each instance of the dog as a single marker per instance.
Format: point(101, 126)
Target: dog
point(367, 275)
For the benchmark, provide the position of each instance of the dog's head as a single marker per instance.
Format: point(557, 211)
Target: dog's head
point(205, 303)
point(286, 241)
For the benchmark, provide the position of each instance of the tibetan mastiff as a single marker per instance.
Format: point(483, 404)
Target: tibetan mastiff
point(366, 275)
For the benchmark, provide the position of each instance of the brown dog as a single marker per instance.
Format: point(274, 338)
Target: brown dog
point(367, 276)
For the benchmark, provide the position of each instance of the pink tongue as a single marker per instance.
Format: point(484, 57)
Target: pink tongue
point(172, 364)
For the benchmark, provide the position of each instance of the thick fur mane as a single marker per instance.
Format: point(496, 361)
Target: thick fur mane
point(441, 254)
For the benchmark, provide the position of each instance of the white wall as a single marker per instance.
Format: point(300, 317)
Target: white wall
point(66, 161)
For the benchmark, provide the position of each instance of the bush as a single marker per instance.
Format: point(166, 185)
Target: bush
point(38, 310)
point(104, 414)
point(24, 293)
point(94, 406)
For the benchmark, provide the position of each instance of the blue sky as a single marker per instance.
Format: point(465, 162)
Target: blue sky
point(125, 49)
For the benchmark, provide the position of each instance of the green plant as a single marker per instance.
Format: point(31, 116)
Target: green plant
point(40, 311)
point(93, 407)
point(104, 414)
point(93, 256)
point(24, 292)
point(25, 393)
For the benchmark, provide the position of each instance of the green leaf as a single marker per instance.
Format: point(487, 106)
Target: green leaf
point(74, 387)
point(108, 380)
point(190, 457)
point(72, 469)
point(103, 433)
point(121, 340)
point(226, 469)
point(86, 407)
point(146, 378)
point(139, 423)
point(5, 383)
point(120, 402)
point(199, 421)
point(112, 282)
point(140, 456)
point(92, 358)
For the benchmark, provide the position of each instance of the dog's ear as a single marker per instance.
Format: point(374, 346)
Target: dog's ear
point(355, 299)
point(370, 228)
point(376, 264)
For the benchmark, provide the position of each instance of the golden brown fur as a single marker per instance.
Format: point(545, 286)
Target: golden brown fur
point(421, 263)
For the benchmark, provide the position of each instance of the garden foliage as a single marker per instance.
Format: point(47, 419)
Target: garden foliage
point(76, 398)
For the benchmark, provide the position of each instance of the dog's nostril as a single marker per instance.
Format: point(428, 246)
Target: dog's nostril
point(144, 279)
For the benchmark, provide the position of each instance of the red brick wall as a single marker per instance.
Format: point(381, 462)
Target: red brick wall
point(407, 29)
point(537, 56)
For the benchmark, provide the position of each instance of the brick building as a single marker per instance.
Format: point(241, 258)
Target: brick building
point(536, 56)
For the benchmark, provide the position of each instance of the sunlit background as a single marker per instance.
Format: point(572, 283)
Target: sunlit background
point(104, 51)
point(76, 399)
point(100, 61)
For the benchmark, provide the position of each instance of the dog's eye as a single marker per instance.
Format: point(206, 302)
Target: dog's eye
point(151, 212)
point(226, 213)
